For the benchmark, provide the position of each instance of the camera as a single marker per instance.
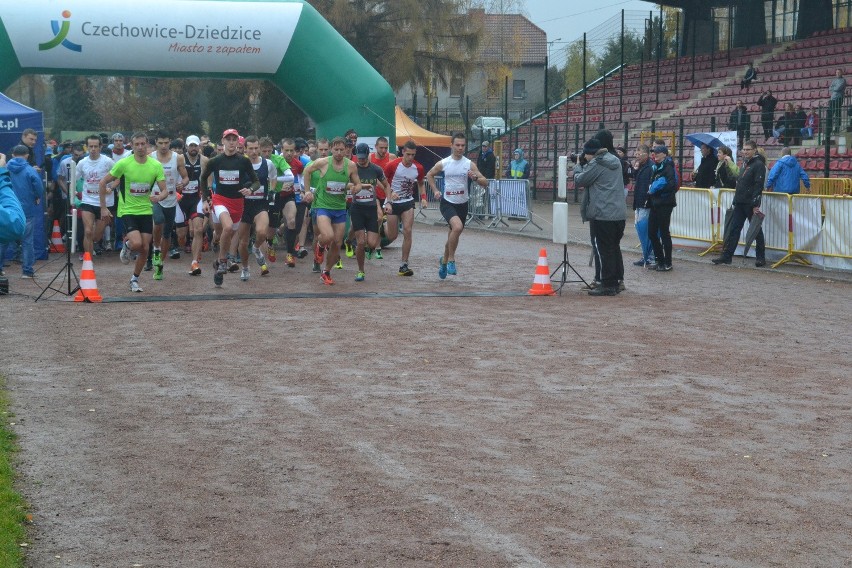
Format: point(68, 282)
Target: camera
point(574, 156)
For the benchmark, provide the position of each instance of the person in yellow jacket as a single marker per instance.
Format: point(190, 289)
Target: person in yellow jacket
point(518, 168)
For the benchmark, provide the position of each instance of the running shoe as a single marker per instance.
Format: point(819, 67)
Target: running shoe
point(326, 278)
point(264, 270)
point(258, 255)
point(221, 266)
point(303, 252)
point(205, 244)
point(350, 252)
point(157, 258)
point(316, 268)
point(219, 273)
point(451, 268)
point(187, 248)
point(442, 268)
point(291, 262)
point(148, 266)
point(158, 272)
point(360, 276)
point(195, 270)
point(174, 254)
point(244, 275)
point(270, 253)
point(368, 252)
point(134, 286)
point(379, 254)
point(405, 271)
point(339, 265)
point(319, 253)
point(98, 249)
point(215, 246)
point(233, 264)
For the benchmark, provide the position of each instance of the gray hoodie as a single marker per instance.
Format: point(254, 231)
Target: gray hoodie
point(837, 88)
point(604, 200)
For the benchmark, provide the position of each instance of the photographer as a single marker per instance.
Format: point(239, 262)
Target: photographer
point(600, 172)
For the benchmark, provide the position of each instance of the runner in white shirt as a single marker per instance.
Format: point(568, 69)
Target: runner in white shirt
point(174, 167)
point(458, 172)
point(92, 169)
point(405, 177)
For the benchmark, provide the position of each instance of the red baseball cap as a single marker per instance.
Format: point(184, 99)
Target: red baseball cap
point(231, 132)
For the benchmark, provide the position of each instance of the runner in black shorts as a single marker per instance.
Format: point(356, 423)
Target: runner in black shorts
point(255, 209)
point(405, 178)
point(365, 211)
point(190, 203)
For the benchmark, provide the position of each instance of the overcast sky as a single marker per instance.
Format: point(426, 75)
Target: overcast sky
point(568, 20)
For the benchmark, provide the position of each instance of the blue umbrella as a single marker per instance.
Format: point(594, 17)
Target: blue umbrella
point(700, 138)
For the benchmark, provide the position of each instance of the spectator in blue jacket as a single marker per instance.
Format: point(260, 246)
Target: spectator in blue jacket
point(518, 168)
point(786, 174)
point(29, 191)
point(12, 219)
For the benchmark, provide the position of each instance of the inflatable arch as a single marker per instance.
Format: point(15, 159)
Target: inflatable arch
point(284, 41)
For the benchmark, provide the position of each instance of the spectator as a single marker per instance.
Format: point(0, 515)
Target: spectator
point(836, 92)
point(661, 196)
point(800, 119)
point(750, 75)
point(28, 187)
point(811, 125)
point(767, 104)
point(786, 125)
point(726, 170)
point(628, 167)
point(487, 161)
point(518, 168)
point(786, 175)
point(13, 221)
point(746, 203)
point(741, 122)
point(705, 174)
point(28, 139)
point(641, 209)
point(599, 172)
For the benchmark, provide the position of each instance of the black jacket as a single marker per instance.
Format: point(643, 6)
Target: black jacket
point(487, 164)
point(740, 122)
point(767, 104)
point(706, 174)
point(643, 182)
point(751, 181)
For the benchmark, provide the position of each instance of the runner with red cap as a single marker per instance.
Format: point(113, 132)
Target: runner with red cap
point(234, 177)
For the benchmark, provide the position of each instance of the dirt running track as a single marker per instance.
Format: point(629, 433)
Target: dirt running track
point(702, 418)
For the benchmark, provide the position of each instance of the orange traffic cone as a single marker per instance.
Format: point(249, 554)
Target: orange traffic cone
point(541, 283)
point(56, 244)
point(88, 287)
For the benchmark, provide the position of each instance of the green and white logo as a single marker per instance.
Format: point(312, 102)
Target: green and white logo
point(61, 33)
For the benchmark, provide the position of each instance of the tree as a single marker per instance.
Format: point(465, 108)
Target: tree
point(74, 106)
point(574, 68)
point(611, 56)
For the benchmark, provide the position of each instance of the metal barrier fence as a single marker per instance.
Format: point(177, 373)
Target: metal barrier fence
point(828, 186)
point(804, 228)
point(503, 199)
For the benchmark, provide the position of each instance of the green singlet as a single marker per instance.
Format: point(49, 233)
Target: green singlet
point(331, 188)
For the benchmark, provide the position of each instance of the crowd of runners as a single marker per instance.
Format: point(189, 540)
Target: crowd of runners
point(245, 199)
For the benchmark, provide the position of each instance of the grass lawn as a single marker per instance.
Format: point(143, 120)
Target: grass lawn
point(12, 508)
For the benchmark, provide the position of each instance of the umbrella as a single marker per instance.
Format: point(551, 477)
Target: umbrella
point(753, 228)
point(700, 138)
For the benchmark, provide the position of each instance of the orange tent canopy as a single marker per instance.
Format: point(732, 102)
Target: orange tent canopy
point(407, 129)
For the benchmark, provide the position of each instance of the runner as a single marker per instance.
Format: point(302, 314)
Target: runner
point(191, 210)
point(311, 183)
point(92, 169)
point(329, 203)
point(458, 170)
point(290, 167)
point(365, 211)
point(255, 210)
point(404, 175)
point(381, 157)
point(139, 175)
point(235, 178)
point(174, 167)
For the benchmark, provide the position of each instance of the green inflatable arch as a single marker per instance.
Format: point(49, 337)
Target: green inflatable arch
point(284, 41)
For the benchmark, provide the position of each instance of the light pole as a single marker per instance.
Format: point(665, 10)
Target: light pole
point(547, 76)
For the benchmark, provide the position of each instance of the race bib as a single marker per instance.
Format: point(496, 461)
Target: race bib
point(139, 188)
point(257, 193)
point(335, 187)
point(191, 187)
point(229, 177)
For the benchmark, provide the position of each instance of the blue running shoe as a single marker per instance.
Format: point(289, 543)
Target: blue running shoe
point(451, 268)
point(442, 268)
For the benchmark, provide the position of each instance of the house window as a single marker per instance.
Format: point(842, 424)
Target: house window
point(519, 89)
point(456, 85)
